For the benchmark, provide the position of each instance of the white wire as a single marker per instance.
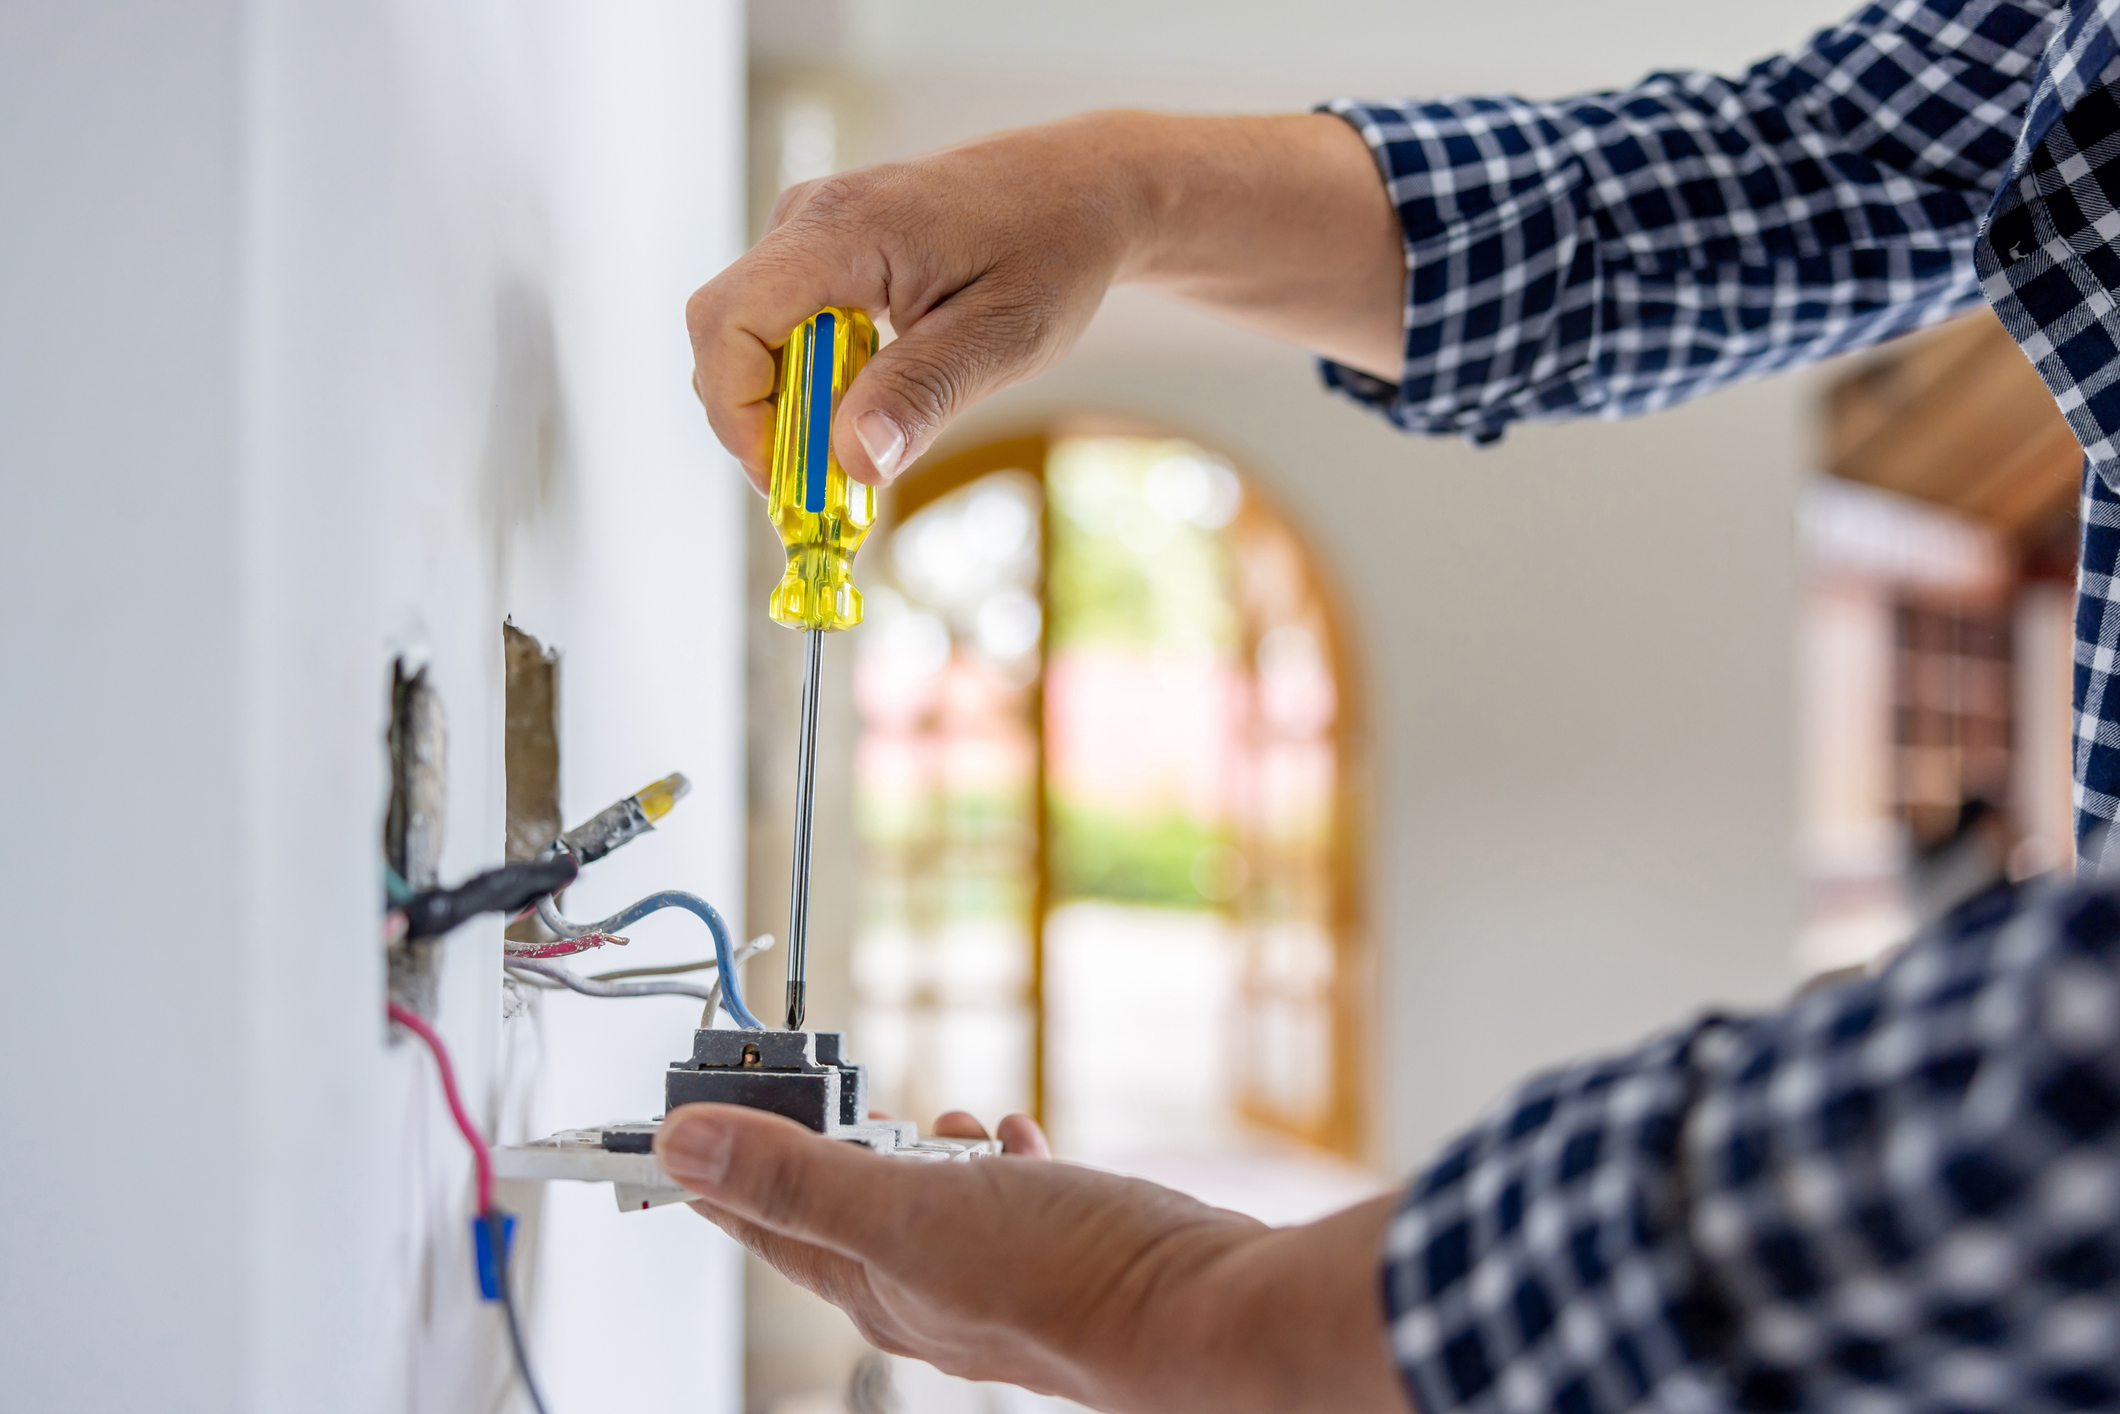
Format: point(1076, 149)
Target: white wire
point(588, 987)
point(543, 973)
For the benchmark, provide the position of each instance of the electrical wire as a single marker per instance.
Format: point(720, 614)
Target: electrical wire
point(515, 1325)
point(510, 889)
point(554, 977)
point(491, 1218)
point(565, 947)
point(744, 954)
point(724, 950)
point(590, 987)
point(481, 1156)
point(675, 969)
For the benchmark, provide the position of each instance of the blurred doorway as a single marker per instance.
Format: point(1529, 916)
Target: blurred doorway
point(1104, 795)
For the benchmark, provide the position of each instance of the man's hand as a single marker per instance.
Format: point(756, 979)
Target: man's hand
point(990, 257)
point(1110, 1291)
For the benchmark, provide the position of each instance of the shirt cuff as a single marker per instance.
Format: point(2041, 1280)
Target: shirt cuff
point(1419, 401)
point(1370, 391)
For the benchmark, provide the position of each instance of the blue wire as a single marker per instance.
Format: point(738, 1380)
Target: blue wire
point(724, 951)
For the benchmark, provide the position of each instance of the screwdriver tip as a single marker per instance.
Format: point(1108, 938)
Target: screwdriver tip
point(795, 1006)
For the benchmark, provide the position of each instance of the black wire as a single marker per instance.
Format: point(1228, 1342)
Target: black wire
point(494, 1223)
point(511, 888)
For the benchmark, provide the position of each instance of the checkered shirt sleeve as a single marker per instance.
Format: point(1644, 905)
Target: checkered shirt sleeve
point(1896, 1194)
point(1616, 253)
point(2097, 697)
point(2049, 263)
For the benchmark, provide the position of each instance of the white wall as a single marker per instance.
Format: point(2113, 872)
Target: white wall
point(1418, 46)
point(327, 332)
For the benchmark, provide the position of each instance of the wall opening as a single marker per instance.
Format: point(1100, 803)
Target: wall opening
point(415, 820)
point(530, 758)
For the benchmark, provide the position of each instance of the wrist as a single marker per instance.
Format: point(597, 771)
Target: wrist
point(1189, 1346)
point(1283, 1318)
point(1141, 164)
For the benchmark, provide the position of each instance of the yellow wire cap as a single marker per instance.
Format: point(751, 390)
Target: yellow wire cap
point(655, 801)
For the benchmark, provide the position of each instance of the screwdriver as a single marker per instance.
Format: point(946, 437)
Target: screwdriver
point(822, 516)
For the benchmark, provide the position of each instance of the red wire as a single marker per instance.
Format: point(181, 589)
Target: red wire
point(481, 1156)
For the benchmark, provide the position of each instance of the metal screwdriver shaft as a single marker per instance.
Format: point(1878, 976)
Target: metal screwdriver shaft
point(805, 799)
point(822, 515)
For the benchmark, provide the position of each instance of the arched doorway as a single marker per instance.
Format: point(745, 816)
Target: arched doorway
point(1105, 791)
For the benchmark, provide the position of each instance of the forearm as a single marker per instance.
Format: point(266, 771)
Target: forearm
point(1615, 253)
point(1279, 222)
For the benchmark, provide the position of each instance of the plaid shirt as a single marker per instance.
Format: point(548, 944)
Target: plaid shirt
point(1897, 1194)
point(1904, 1193)
point(1616, 253)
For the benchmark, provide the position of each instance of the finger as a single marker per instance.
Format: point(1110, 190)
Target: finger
point(829, 1274)
point(756, 472)
point(733, 378)
point(958, 1125)
point(741, 316)
point(823, 1273)
point(1020, 1134)
point(772, 1172)
point(974, 342)
point(791, 201)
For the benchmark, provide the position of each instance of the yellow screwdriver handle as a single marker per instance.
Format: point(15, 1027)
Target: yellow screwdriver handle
point(822, 514)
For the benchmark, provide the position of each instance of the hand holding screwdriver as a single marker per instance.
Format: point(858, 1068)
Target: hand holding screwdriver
point(991, 256)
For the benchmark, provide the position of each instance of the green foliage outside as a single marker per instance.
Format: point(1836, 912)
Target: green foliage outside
point(1102, 854)
point(1122, 575)
point(1126, 574)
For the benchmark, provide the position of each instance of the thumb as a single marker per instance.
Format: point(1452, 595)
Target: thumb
point(921, 381)
point(781, 1176)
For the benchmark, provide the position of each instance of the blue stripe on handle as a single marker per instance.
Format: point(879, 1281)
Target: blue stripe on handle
point(820, 416)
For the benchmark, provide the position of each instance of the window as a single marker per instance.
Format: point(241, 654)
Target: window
point(1950, 712)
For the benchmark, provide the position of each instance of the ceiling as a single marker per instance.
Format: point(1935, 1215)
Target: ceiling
point(1957, 416)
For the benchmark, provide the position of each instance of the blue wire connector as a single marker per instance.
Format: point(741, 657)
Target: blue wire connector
point(492, 1255)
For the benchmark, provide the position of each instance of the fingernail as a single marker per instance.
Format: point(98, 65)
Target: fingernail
point(882, 440)
point(694, 1150)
